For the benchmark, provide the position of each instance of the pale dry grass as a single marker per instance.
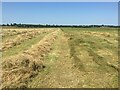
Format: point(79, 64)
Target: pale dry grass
point(17, 70)
point(9, 43)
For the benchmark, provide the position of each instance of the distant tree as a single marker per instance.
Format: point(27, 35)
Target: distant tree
point(11, 24)
point(7, 25)
point(3, 24)
point(14, 24)
point(102, 25)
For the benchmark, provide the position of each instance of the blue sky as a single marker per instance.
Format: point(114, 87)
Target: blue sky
point(60, 12)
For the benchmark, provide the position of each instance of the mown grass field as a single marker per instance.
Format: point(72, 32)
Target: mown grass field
point(60, 58)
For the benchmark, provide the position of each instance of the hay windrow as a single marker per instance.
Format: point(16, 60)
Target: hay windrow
point(7, 32)
point(19, 69)
point(73, 57)
point(9, 43)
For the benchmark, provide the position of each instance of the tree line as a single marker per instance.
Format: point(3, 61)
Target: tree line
point(40, 25)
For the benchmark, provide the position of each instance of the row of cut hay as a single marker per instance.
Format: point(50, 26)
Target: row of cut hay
point(20, 31)
point(18, 70)
point(106, 34)
point(109, 38)
point(20, 38)
point(28, 29)
point(12, 32)
point(42, 46)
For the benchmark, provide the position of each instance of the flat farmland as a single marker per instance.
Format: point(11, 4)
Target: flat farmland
point(60, 58)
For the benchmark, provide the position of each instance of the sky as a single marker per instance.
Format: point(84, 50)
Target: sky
point(65, 13)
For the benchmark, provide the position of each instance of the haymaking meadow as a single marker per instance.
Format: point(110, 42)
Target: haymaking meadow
point(59, 45)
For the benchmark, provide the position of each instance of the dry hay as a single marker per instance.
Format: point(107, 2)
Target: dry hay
point(43, 46)
point(18, 70)
point(109, 38)
point(13, 32)
point(105, 34)
point(19, 39)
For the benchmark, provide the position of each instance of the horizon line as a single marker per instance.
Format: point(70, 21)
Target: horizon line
point(61, 24)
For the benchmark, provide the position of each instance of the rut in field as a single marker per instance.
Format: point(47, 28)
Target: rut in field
point(60, 74)
point(65, 69)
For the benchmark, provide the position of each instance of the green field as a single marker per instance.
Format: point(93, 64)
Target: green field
point(62, 58)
